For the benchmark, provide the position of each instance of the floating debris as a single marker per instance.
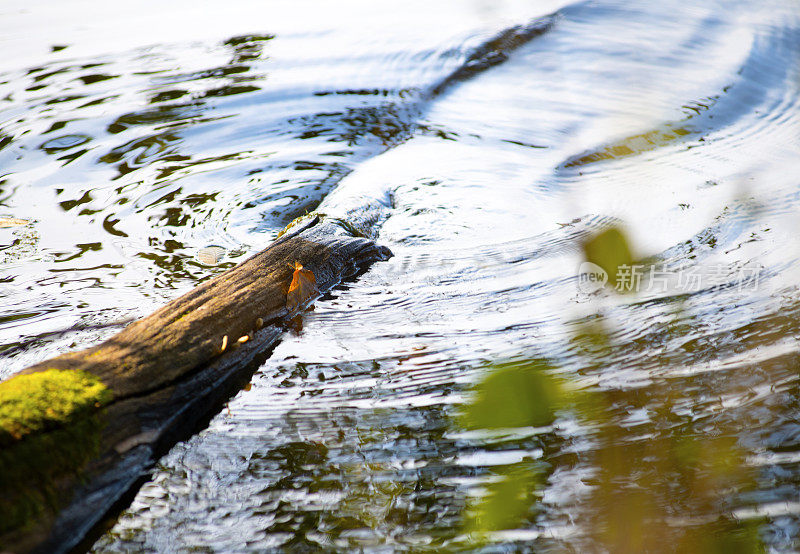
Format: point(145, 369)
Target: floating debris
point(12, 222)
point(211, 255)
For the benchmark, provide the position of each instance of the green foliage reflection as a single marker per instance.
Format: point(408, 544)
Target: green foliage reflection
point(657, 480)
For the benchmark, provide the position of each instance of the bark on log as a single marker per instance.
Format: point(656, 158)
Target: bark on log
point(168, 373)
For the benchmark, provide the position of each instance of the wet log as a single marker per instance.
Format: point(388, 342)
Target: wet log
point(80, 432)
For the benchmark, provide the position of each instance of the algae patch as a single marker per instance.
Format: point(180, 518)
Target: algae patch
point(45, 400)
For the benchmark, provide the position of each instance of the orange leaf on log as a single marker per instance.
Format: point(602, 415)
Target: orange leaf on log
point(303, 287)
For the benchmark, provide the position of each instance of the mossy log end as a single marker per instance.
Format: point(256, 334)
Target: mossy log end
point(62, 475)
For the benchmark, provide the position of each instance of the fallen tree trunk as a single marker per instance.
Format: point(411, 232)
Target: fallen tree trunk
point(80, 431)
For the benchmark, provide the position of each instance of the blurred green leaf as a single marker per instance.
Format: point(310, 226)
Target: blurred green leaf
point(610, 249)
point(514, 394)
point(508, 501)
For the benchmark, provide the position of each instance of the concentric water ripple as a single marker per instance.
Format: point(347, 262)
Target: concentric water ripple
point(677, 123)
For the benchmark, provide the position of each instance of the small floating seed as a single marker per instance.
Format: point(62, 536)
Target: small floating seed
point(243, 339)
point(259, 323)
point(224, 343)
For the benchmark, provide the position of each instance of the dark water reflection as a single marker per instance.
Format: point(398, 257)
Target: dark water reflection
point(468, 394)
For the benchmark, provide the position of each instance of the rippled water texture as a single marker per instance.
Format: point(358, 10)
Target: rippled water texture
point(153, 150)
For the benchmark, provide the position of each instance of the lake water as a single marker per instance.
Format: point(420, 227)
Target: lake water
point(473, 392)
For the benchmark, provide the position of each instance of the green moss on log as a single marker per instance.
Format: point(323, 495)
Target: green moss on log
point(299, 220)
point(46, 400)
point(50, 427)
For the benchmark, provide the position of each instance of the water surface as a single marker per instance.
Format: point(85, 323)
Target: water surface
point(671, 416)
